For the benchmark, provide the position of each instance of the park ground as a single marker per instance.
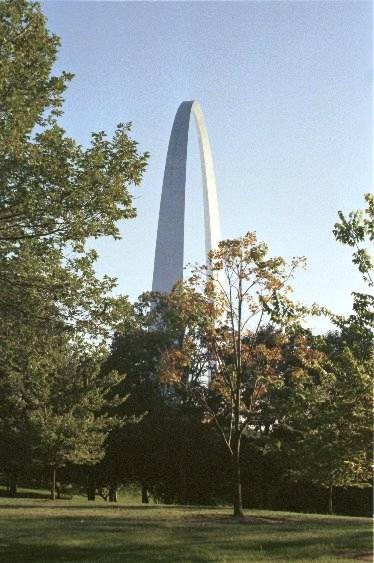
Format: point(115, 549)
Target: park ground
point(45, 531)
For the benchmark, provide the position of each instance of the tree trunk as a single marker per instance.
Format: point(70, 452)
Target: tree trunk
point(265, 494)
point(237, 482)
point(91, 492)
point(182, 484)
point(91, 486)
point(53, 487)
point(12, 487)
point(113, 497)
point(331, 506)
point(145, 499)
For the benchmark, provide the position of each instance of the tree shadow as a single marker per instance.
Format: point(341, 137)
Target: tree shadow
point(30, 494)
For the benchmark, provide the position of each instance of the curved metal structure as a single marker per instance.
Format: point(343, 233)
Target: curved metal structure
point(168, 265)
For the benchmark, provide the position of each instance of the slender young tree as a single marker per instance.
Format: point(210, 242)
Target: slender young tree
point(220, 361)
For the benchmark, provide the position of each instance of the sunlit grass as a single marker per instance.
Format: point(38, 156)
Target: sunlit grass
point(45, 531)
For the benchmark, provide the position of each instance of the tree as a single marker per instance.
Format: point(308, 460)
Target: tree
point(148, 453)
point(220, 359)
point(337, 441)
point(135, 453)
point(356, 358)
point(332, 439)
point(328, 431)
point(54, 195)
point(72, 412)
point(59, 409)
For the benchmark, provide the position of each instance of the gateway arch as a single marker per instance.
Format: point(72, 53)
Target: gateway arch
point(169, 258)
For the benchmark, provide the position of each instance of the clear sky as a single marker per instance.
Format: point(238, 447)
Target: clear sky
point(286, 89)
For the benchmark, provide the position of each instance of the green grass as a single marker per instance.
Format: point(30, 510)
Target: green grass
point(41, 530)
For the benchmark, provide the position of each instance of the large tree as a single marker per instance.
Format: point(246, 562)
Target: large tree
point(54, 196)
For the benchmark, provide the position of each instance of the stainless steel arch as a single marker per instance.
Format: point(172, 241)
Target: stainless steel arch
point(168, 265)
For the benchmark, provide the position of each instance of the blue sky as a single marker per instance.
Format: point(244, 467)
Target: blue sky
point(286, 89)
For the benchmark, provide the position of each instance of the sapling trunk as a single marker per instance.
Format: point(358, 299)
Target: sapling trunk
point(145, 499)
point(237, 482)
point(113, 492)
point(331, 503)
point(12, 485)
point(91, 485)
point(53, 487)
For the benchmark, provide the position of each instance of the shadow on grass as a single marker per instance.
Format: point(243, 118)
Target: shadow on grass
point(31, 494)
point(130, 554)
point(181, 547)
point(63, 504)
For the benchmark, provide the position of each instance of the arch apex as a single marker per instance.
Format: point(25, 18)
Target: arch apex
point(169, 255)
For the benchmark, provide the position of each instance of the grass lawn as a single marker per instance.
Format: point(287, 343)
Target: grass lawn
point(45, 531)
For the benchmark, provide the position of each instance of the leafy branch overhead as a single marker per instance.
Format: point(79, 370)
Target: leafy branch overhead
point(51, 186)
point(357, 231)
point(54, 193)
